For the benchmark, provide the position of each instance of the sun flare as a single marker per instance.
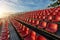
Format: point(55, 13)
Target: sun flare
point(3, 13)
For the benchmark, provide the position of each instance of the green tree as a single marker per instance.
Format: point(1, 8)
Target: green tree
point(57, 3)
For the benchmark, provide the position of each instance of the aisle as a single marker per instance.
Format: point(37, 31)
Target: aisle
point(13, 34)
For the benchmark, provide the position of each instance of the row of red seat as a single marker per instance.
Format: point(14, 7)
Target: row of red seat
point(5, 31)
point(44, 19)
point(25, 32)
point(45, 14)
point(52, 27)
point(48, 26)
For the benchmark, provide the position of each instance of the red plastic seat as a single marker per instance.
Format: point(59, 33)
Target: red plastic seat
point(54, 13)
point(32, 21)
point(57, 18)
point(44, 13)
point(39, 17)
point(41, 38)
point(42, 24)
point(40, 13)
point(20, 29)
point(36, 17)
point(49, 17)
point(25, 32)
point(43, 17)
point(29, 20)
point(58, 13)
point(31, 36)
point(52, 27)
point(47, 12)
point(35, 22)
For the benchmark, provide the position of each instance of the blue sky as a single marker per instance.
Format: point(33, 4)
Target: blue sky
point(24, 5)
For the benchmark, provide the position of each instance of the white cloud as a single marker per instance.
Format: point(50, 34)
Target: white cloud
point(19, 5)
point(14, 1)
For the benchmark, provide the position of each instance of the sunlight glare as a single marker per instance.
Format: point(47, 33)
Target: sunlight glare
point(2, 13)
